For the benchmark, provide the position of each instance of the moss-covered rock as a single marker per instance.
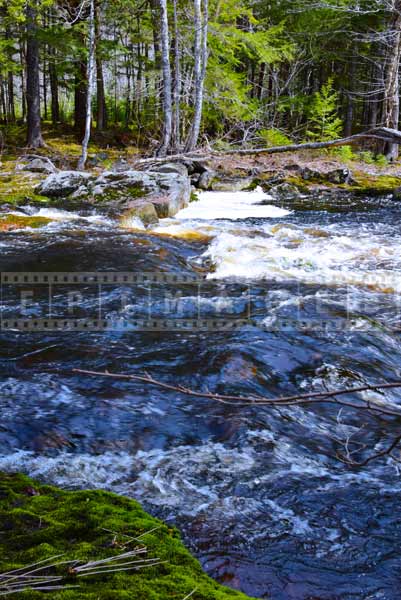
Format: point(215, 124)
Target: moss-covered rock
point(39, 522)
point(10, 222)
point(145, 211)
point(19, 188)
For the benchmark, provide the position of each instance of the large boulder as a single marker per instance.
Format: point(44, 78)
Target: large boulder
point(167, 192)
point(63, 184)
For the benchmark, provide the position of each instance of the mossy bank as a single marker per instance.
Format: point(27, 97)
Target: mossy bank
point(40, 521)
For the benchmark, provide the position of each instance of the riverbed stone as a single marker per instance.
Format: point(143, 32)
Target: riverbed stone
point(232, 184)
point(145, 211)
point(285, 191)
point(205, 179)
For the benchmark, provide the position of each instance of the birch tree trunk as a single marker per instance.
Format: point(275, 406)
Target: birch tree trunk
point(34, 135)
point(91, 86)
point(167, 85)
point(101, 117)
point(200, 55)
point(177, 83)
point(391, 104)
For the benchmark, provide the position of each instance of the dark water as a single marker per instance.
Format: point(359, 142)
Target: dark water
point(257, 492)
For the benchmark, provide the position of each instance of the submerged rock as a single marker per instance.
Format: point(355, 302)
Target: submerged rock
point(42, 522)
point(11, 222)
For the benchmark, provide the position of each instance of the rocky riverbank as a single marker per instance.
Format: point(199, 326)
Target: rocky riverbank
point(134, 196)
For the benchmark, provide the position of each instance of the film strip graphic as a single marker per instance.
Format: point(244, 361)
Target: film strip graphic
point(20, 291)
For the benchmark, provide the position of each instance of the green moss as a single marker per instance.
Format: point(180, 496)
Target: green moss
point(10, 222)
point(374, 184)
point(38, 522)
point(17, 188)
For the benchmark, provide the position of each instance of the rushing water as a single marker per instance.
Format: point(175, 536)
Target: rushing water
point(257, 492)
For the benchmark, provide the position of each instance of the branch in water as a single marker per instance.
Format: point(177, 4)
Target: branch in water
point(330, 397)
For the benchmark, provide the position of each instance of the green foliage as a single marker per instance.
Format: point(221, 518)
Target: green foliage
point(324, 123)
point(367, 157)
point(39, 522)
point(382, 160)
point(344, 153)
point(274, 137)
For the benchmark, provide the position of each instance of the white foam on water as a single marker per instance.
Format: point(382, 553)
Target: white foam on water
point(284, 252)
point(232, 206)
point(60, 215)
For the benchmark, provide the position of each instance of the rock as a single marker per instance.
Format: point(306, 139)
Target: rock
point(285, 191)
point(338, 176)
point(97, 159)
point(145, 211)
point(62, 184)
point(343, 175)
point(231, 184)
point(176, 188)
point(311, 174)
point(120, 165)
point(175, 167)
point(195, 177)
point(167, 192)
point(39, 164)
point(205, 180)
point(397, 193)
point(195, 166)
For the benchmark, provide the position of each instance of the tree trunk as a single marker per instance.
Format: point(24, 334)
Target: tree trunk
point(200, 52)
point(55, 104)
point(349, 122)
point(101, 116)
point(177, 82)
point(391, 104)
point(167, 87)
point(91, 86)
point(10, 84)
point(80, 95)
point(34, 135)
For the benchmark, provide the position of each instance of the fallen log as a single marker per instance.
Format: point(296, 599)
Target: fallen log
point(384, 134)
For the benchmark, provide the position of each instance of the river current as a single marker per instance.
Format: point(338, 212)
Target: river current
point(270, 299)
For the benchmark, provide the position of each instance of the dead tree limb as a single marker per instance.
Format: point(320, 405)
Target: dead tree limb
point(310, 398)
point(328, 397)
point(383, 134)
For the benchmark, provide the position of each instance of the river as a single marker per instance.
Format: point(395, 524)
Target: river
point(255, 297)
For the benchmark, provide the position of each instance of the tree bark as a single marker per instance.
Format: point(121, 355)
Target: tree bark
point(391, 104)
point(176, 135)
point(101, 112)
point(91, 86)
point(167, 86)
point(53, 78)
point(34, 134)
point(80, 95)
point(200, 53)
